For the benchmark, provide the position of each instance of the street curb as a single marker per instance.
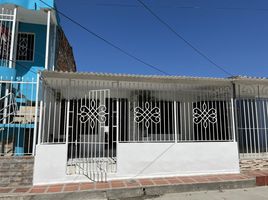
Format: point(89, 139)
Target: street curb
point(135, 192)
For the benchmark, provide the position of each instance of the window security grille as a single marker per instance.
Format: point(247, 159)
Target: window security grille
point(25, 49)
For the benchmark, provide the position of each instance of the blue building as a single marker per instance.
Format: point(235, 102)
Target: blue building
point(31, 40)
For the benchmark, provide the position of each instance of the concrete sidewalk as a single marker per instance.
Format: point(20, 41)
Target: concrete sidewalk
point(256, 193)
point(138, 187)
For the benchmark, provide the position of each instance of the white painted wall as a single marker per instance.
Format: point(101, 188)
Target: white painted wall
point(50, 165)
point(162, 159)
point(136, 160)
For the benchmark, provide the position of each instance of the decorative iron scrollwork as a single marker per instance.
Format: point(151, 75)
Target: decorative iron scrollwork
point(93, 113)
point(147, 114)
point(23, 45)
point(204, 115)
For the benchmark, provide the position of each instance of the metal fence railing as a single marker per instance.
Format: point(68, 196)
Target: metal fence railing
point(252, 120)
point(17, 117)
point(147, 112)
point(7, 28)
point(175, 112)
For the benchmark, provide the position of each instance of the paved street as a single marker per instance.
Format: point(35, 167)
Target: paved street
point(258, 193)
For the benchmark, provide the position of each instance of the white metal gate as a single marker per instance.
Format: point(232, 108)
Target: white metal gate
point(252, 120)
point(90, 136)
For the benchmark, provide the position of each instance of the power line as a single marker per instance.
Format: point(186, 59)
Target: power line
point(25, 67)
point(182, 7)
point(34, 51)
point(31, 50)
point(106, 41)
point(41, 54)
point(182, 38)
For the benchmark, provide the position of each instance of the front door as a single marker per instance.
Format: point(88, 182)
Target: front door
point(91, 149)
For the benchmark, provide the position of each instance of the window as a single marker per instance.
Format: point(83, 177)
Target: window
point(147, 116)
point(25, 49)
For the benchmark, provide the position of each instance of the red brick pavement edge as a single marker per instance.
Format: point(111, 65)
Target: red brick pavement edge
point(261, 180)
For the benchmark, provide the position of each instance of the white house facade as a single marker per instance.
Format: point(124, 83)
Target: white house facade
point(99, 127)
point(64, 127)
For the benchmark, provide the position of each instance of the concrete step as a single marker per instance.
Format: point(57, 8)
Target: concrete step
point(25, 114)
point(26, 109)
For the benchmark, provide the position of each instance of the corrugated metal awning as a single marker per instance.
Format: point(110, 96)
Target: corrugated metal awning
point(146, 78)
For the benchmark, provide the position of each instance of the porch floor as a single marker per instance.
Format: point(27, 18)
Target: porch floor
point(261, 178)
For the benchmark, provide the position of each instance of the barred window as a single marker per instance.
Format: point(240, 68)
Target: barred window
point(25, 49)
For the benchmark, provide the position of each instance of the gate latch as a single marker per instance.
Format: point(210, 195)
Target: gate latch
point(106, 129)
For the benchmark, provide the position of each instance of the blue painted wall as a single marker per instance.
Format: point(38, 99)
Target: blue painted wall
point(7, 73)
point(26, 69)
point(30, 4)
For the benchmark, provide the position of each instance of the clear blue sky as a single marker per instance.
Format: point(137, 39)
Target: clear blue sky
point(233, 33)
